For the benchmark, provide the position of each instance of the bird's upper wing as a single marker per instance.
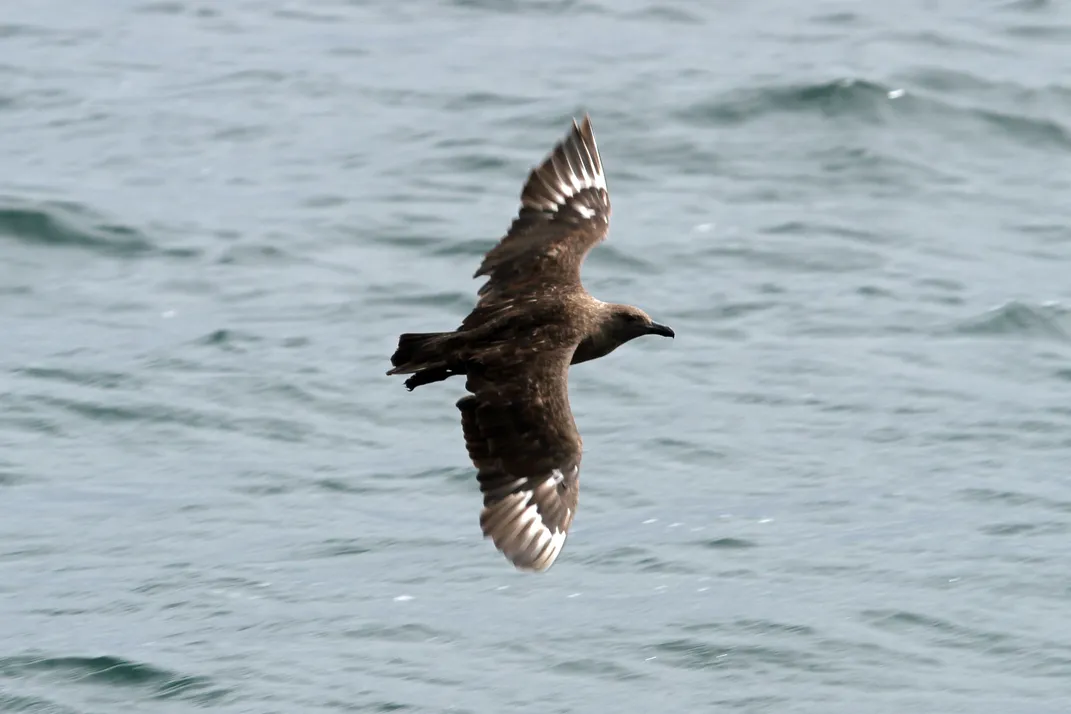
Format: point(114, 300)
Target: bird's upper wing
point(521, 436)
point(565, 212)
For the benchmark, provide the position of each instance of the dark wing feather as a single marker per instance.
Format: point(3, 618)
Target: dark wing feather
point(565, 212)
point(522, 438)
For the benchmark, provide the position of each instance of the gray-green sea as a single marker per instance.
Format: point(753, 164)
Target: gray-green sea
point(844, 487)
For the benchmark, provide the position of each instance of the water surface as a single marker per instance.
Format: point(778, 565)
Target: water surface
point(842, 488)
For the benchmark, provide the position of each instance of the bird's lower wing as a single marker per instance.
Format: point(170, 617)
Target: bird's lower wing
point(521, 437)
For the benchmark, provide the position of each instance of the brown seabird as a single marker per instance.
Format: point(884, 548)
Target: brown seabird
point(532, 320)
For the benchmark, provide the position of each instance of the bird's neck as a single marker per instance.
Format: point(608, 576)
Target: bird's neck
point(592, 348)
point(599, 343)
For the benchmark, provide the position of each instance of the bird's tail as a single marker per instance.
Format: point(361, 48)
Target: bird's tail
point(419, 350)
point(428, 356)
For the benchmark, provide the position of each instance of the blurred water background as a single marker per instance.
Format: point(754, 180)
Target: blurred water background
point(844, 487)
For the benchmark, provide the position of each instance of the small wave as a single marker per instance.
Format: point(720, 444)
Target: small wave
point(1046, 233)
point(32, 705)
point(1033, 130)
point(451, 301)
point(944, 80)
point(229, 340)
point(840, 19)
point(155, 682)
point(112, 413)
point(340, 486)
point(85, 377)
point(1028, 5)
point(944, 40)
point(663, 14)
point(309, 16)
point(839, 97)
point(728, 543)
point(405, 238)
point(61, 224)
point(1015, 499)
point(690, 653)
point(1040, 32)
point(941, 632)
point(793, 258)
point(475, 101)
point(1026, 529)
point(169, 7)
point(875, 102)
point(340, 548)
point(464, 164)
point(400, 633)
point(253, 254)
point(8, 30)
point(8, 478)
point(639, 559)
point(601, 668)
point(532, 7)
point(1019, 319)
point(805, 227)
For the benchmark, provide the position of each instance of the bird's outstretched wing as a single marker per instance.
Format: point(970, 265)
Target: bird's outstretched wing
point(565, 212)
point(521, 436)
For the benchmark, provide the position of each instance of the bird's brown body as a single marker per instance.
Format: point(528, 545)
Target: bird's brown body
point(532, 321)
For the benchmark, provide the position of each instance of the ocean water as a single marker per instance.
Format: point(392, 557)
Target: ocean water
point(844, 486)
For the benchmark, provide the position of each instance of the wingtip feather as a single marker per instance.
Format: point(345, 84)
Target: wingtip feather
point(572, 167)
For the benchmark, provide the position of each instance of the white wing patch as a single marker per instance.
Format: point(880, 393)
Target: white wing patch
point(517, 529)
point(576, 175)
point(572, 168)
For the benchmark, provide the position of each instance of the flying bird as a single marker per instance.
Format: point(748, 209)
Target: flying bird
point(532, 320)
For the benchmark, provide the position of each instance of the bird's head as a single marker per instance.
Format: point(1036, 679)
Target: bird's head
point(628, 322)
point(617, 325)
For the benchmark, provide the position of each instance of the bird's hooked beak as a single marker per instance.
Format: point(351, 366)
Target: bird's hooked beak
point(664, 330)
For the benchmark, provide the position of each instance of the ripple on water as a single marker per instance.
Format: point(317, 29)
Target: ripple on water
point(597, 667)
point(66, 224)
point(101, 379)
point(9, 477)
point(27, 672)
point(842, 97)
point(862, 100)
point(1016, 499)
point(727, 544)
point(938, 631)
point(638, 559)
point(692, 653)
point(1026, 529)
point(230, 340)
point(1018, 319)
point(410, 632)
